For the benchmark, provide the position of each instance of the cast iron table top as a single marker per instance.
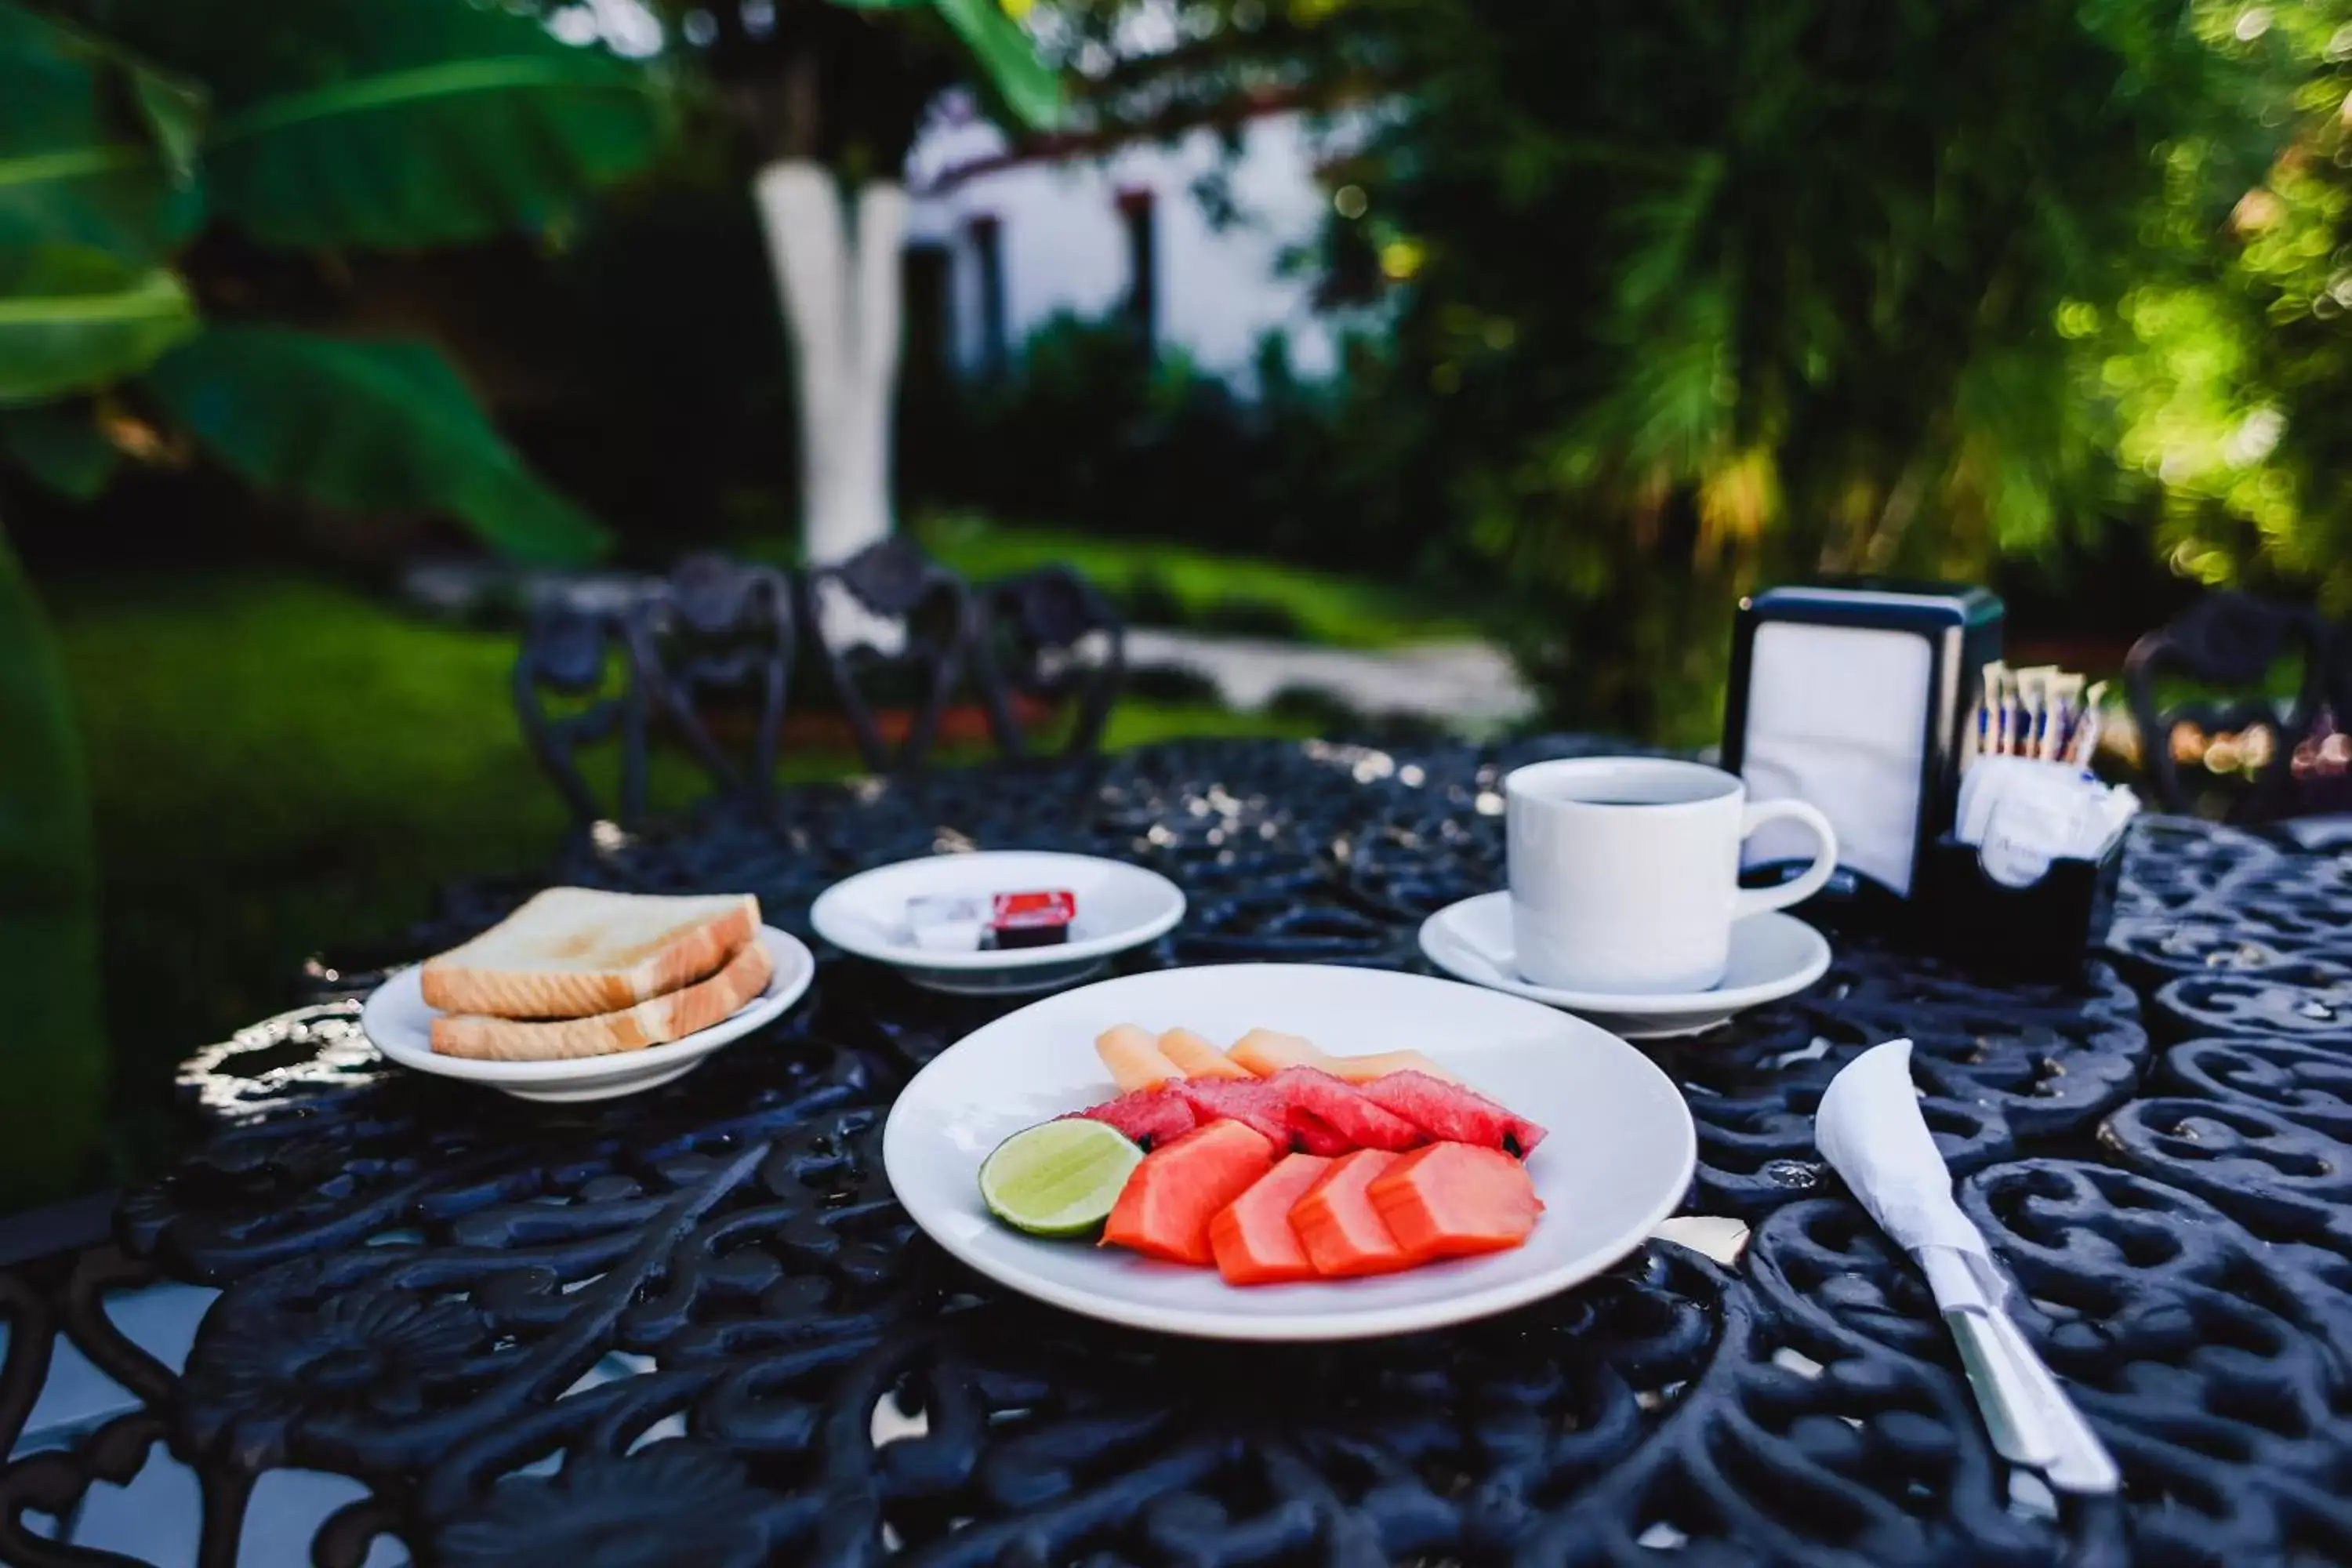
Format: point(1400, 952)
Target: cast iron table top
point(693, 1327)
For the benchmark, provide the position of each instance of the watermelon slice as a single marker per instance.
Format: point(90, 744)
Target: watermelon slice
point(1450, 1200)
point(1252, 1104)
point(1149, 1115)
point(1453, 1114)
point(1251, 1237)
point(1340, 1230)
point(1315, 1097)
point(1166, 1206)
point(1313, 1135)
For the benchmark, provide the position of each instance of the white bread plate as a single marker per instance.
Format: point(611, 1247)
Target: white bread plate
point(399, 1023)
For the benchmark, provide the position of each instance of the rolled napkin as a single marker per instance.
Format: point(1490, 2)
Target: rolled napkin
point(1870, 1130)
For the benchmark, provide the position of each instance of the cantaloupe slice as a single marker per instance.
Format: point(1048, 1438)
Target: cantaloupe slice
point(1195, 1057)
point(1266, 1052)
point(1133, 1057)
point(1363, 1069)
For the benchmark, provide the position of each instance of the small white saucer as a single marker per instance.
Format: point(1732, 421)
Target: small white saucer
point(1772, 955)
point(1120, 907)
point(399, 1024)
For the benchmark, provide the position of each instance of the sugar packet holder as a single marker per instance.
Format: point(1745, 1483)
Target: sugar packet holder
point(2026, 880)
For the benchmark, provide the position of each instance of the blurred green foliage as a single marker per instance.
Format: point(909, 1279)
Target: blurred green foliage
point(364, 124)
point(2230, 358)
point(1691, 294)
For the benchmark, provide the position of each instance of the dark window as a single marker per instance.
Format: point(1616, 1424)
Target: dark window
point(988, 252)
point(1142, 263)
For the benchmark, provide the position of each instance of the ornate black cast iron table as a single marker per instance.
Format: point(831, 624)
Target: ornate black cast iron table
point(693, 1328)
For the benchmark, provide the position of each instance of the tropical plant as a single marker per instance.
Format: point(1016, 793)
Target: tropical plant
point(123, 131)
point(1690, 293)
point(2230, 365)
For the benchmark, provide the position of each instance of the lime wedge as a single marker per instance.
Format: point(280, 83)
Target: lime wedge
point(1058, 1179)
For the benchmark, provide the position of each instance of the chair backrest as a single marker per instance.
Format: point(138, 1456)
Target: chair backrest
point(891, 624)
point(570, 696)
point(721, 628)
point(2229, 640)
point(1031, 638)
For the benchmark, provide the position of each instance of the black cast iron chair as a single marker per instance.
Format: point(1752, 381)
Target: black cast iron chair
point(891, 624)
point(578, 685)
point(715, 641)
point(2236, 752)
point(1050, 639)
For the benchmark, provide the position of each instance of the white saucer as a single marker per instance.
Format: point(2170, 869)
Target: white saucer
point(1617, 1160)
point(398, 1024)
point(1120, 907)
point(1772, 955)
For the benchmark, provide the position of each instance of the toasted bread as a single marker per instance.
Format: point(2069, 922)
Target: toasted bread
point(658, 1021)
point(575, 952)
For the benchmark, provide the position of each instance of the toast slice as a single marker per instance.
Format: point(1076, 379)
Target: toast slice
point(575, 952)
point(655, 1022)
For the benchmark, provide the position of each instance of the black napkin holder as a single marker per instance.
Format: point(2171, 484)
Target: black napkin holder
point(1853, 694)
point(2046, 930)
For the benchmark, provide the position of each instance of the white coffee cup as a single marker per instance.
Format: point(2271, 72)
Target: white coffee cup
point(1625, 871)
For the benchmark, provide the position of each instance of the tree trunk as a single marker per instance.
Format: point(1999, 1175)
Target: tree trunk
point(836, 268)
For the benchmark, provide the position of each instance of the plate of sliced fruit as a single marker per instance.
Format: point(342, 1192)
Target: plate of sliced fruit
point(1289, 1152)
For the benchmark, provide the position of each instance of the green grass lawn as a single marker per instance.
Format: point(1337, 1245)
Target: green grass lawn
point(280, 765)
point(1212, 591)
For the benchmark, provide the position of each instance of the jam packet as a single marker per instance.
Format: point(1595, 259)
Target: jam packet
point(1031, 920)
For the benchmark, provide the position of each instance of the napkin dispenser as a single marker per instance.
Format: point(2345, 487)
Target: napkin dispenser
point(1854, 695)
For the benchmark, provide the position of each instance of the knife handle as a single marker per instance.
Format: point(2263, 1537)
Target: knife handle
point(2028, 1417)
point(2081, 1463)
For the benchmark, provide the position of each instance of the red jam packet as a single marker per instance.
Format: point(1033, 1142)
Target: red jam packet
point(1032, 920)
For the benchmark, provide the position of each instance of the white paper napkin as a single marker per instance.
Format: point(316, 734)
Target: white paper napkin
point(1870, 1130)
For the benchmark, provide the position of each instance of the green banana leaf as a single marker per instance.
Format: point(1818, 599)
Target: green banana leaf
point(52, 1032)
point(62, 446)
point(73, 319)
point(424, 122)
point(373, 427)
point(1029, 87)
point(95, 149)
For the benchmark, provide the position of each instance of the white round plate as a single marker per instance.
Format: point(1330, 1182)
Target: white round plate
point(1119, 906)
point(1772, 955)
point(398, 1023)
point(1618, 1159)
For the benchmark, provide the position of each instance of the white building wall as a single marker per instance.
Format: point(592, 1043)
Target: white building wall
point(1063, 244)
